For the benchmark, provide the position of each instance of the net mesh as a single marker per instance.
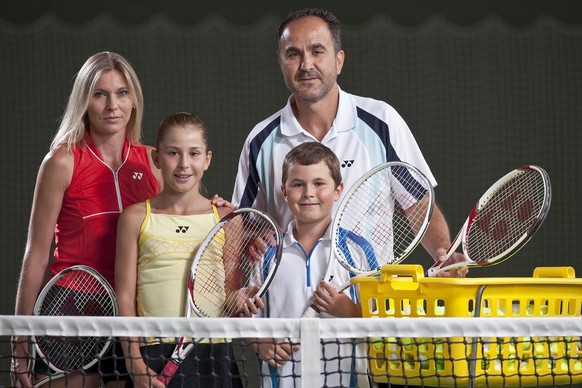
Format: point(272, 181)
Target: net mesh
point(435, 352)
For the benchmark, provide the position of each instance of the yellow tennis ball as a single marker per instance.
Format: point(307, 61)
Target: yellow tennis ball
point(377, 344)
point(526, 343)
point(564, 365)
point(407, 343)
point(529, 310)
point(578, 366)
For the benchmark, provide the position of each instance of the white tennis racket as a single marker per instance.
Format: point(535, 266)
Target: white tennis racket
point(503, 220)
point(381, 219)
point(75, 291)
point(224, 275)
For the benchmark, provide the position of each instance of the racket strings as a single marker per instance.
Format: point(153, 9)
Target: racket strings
point(76, 293)
point(380, 220)
point(228, 273)
point(509, 215)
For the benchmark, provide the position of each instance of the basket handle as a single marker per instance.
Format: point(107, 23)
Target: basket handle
point(402, 270)
point(554, 272)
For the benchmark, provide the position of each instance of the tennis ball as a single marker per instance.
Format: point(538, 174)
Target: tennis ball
point(529, 310)
point(485, 311)
point(377, 344)
point(544, 310)
point(525, 343)
point(500, 313)
point(564, 365)
point(578, 366)
point(439, 310)
point(407, 343)
point(512, 362)
point(554, 347)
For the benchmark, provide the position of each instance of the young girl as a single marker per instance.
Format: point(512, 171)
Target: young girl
point(157, 240)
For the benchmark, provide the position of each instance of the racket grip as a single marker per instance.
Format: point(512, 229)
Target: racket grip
point(432, 272)
point(168, 372)
point(311, 312)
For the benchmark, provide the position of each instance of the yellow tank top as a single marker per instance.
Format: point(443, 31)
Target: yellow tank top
point(167, 245)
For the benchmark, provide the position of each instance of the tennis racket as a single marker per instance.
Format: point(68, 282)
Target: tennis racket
point(381, 219)
point(75, 291)
point(225, 275)
point(503, 220)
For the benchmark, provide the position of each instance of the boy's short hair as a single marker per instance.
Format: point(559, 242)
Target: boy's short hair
point(306, 154)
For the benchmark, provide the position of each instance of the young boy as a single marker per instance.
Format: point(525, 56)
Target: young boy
point(311, 183)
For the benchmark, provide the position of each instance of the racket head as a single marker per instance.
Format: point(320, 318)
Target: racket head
point(382, 217)
point(75, 291)
point(507, 216)
point(224, 272)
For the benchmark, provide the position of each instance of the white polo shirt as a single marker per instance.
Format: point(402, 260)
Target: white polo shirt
point(364, 134)
point(290, 293)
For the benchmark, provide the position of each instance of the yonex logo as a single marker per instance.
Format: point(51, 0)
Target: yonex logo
point(347, 163)
point(182, 229)
point(137, 175)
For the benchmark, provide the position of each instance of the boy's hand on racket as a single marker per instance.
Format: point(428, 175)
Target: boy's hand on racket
point(456, 257)
point(20, 367)
point(328, 300)
point(275, 351)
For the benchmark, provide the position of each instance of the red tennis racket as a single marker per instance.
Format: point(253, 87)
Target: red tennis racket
point(503, 220)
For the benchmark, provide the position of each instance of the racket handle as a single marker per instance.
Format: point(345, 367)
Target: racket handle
point(168, 372)
point(311, 312)
point(434, 270)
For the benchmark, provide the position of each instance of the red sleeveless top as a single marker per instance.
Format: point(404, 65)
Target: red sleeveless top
point(87, 224)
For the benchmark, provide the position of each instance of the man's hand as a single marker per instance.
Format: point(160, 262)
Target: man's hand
point(456, 257)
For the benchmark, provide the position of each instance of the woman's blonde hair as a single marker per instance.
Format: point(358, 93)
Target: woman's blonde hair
point(75, 120)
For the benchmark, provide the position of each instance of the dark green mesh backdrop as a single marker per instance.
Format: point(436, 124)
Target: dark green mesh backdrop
point(481, 99)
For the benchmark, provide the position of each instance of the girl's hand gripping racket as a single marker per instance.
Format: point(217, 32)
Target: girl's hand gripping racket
point(380, 220)
point(503, 220)
point(75, 291)
point(225, 278)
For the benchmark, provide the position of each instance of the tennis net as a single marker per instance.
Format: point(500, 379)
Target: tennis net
point(432, 352)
